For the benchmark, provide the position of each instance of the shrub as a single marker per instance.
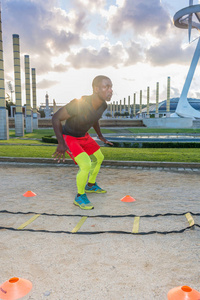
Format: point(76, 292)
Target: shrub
point(156, 145)
point(49, 139)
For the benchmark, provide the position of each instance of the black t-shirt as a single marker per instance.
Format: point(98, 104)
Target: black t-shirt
point(82, 116)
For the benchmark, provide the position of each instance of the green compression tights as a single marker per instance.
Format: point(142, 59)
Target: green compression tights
point(88, 165)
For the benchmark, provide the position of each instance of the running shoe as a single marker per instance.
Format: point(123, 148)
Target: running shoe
point(94, 189)
point(83, 202)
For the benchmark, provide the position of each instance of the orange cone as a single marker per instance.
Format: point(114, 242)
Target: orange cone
point(15, 288)
point(29, 194)
point(183, 293)
point(128, 198)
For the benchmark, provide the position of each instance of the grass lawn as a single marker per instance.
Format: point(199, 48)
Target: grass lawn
point(39, 133)
point(23, 141)
point(110, 153)
point(28, 147)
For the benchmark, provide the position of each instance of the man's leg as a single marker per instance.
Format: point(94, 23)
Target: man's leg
point(84, 163)
point(97, 159)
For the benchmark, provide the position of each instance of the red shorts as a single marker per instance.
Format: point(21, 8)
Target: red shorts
point(78, 145)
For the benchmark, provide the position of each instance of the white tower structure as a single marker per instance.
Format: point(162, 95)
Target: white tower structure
point(19, 117)
point(35, 118)
point(184, 18)
point(47, 108)
point(29, 119)
point(4, 125)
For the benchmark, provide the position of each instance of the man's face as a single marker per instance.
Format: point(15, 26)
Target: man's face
point(104, 90)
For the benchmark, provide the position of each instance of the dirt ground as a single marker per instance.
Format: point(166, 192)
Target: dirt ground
point(106, 265)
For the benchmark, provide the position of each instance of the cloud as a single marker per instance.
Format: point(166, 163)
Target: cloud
point(44, 30)
point(174, 92)
point(92, 58)
point(108, 55)
point(139, 16)
point(58, 40)
point(169, 51)
point(91, 36)
point(88, 5)
point(197, 95)
point(60, 68)
point(134, 53)
point(129, 79)
point(45, 84)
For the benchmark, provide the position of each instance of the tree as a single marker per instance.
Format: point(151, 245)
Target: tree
point(117, 114)
point(9, 103)
point(108, 114)
point(126, 114)
point(8, 97)
point(42, 113)
point(10, 87)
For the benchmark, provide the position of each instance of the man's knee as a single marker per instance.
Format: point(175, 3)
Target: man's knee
point(85, 166)
point(99, 157)
point(83, 161)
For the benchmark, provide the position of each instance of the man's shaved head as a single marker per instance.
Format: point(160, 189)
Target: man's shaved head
point(98, 79)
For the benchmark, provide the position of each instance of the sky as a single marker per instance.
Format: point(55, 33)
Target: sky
point(69, 42)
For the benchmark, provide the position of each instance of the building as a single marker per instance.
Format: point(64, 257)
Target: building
point(162, 110)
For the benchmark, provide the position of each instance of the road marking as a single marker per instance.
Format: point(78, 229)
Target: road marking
point(80, 223)
point(190, 219)
point(28, 222)
point(136, 225)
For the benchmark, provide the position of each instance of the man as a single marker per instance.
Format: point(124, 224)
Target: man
point(73, 138)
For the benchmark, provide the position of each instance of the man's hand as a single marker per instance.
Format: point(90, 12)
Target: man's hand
point(62, 147)
point(105, 141)
point(100, 136)
point(60, 152)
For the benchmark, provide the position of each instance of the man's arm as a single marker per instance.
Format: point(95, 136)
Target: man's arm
point(98, 131)
point(61, 115)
